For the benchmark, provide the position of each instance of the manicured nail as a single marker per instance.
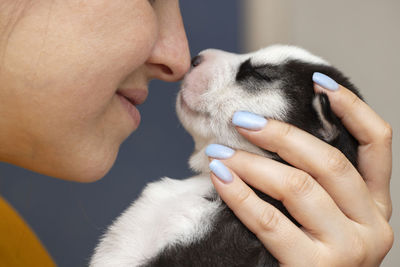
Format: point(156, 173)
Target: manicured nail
point(325, 81)
point(248, 120)
point(222, 172)
point(219, 151)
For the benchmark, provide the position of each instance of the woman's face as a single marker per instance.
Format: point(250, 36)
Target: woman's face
point(64, 65)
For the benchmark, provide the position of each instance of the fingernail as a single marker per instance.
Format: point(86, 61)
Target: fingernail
point(222, 172)
point(325, 81)
point(219, 151)
point(248, 120)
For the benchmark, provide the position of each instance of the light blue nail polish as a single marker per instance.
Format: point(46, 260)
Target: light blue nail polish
point(222, 172)
point(219, 151)
point(325, 81)
point(248, 120)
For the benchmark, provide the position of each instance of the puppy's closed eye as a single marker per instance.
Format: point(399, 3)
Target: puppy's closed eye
point(247, 70)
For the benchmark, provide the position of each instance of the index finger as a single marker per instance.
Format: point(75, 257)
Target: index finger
point(375, 138)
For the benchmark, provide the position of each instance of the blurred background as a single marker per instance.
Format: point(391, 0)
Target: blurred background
point(360, 37)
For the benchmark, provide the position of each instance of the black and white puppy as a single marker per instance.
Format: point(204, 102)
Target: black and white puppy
point(184, 222)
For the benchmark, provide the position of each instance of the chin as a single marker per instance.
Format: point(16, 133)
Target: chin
point(83, 174)
point(97, 168)
point(86, 167)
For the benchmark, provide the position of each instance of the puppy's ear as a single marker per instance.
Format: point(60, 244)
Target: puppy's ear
point(329, 130)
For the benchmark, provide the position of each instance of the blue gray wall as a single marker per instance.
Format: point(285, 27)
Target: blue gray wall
point(69, 217)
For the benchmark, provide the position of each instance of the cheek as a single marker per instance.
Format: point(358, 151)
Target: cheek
point(79, 54)
point(116, 47)
point(101, 40)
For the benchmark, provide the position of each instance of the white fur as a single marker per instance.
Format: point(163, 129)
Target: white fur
point(279, 54)
point(168, 211)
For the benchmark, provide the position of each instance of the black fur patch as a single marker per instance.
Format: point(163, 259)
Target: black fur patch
point(326, 108)
point(250, 76)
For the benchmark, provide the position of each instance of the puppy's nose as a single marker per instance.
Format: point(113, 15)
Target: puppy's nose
point(196, 60)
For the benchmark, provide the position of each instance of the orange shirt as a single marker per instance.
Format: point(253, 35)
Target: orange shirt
point(19, 246)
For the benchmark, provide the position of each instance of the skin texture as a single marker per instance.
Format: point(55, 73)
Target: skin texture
point(344, 213)
point(61, 63)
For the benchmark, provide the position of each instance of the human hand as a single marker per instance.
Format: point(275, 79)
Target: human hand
point(343, 211)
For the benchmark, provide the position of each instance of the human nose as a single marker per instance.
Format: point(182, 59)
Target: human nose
point(170, 57)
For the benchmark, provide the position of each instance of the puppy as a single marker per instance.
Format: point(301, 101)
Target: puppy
point(184, 222)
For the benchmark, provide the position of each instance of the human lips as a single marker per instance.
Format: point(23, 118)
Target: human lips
point(134, 96)
point(130, 98)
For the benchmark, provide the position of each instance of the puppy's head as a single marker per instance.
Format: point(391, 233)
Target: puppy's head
point(274, 82)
